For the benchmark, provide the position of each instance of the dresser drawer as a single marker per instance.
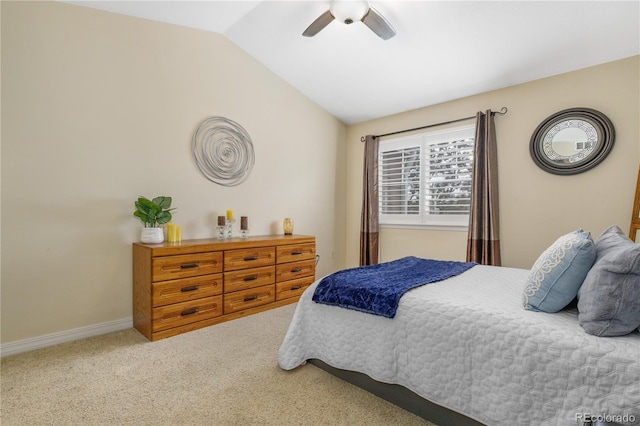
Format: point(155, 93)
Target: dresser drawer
point(175, 291)
point(249, 258)
point(295, 252)
point(249, 278)
point(293, 270)
point(187, 265)
point(178, 314)
point(250, 298)
point(293, 288)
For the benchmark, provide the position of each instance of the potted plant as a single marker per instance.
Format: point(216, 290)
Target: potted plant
point(153, 213)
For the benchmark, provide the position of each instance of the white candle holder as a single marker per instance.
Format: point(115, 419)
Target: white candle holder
point(229, 228)
point(221, 232)
point(244, 227)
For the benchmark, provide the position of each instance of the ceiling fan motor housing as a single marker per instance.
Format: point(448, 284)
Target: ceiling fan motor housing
point(349, 11)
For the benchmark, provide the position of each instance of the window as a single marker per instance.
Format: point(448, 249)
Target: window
point(426, 179)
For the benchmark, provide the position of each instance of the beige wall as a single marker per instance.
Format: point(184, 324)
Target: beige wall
point(536, 207)
point(98, 109)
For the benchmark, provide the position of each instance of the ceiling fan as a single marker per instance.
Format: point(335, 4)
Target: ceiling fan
point(350, 11)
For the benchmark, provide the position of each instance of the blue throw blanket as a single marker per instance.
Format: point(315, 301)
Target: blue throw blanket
point(376, 289)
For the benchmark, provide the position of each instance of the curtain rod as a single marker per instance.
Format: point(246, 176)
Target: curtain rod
point(502, 111)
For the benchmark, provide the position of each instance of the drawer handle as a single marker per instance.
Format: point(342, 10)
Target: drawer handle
point(296, 288)
point(189, 265)
point(250, 298)
point(251, 278)
point(189, 312)
point(248, 258)
point(296, 253)
point(296, 270)
point(187, 289)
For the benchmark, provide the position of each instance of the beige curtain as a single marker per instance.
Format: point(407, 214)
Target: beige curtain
point(369, 229)
point(483, 244)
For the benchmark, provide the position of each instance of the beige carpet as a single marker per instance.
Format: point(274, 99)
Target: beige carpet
point(226, 374)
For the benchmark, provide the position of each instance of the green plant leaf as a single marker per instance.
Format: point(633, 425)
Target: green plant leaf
point(163, 202)
point(144, 204)
point(143, 217)
point(163, 217)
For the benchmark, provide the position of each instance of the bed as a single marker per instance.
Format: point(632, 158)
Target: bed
point(464, 351)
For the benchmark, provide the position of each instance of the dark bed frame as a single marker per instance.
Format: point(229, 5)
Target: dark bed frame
point(400, 396)
point(410, 401)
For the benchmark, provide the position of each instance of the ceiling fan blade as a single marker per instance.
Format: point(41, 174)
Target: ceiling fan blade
point(320, 22)
point(378, 24)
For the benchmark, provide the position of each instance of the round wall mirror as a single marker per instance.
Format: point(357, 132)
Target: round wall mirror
point(572, 141)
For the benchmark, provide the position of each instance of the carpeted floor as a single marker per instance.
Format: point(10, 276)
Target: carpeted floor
point(226, 374)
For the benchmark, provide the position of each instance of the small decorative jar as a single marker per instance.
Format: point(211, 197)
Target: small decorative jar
point(287, 226)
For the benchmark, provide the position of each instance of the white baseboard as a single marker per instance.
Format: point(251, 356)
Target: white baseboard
point(30, 344)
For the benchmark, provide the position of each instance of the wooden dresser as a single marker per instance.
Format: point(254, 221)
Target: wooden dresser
point(180, 287)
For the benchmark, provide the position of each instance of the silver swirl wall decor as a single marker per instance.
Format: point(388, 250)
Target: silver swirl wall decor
point(223, 151)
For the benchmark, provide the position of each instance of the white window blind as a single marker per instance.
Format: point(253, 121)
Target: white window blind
point(426, 179)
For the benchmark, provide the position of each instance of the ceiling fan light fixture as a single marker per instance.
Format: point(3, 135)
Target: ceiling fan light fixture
point(349, 11)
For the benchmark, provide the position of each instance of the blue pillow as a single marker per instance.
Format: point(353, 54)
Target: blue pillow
point(556, 277)
point(609, 299)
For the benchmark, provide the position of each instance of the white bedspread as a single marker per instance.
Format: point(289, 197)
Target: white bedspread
point(467, 344)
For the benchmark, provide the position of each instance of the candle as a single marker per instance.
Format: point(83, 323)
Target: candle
point(178, 234)
point(221, 221)
point(229, 214)
point(171, 233)
point(244, 223)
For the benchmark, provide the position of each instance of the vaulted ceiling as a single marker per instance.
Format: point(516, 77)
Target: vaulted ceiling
point(443, 50)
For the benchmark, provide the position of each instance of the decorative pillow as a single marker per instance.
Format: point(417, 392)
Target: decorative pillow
point(609, 299)
point(558, 273)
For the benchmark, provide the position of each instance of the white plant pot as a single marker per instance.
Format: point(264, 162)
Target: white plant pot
point(151, 236)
